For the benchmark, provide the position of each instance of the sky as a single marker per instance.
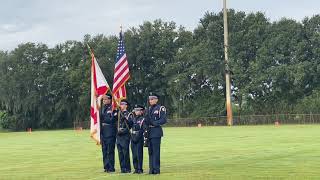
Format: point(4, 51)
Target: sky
point(56, 21)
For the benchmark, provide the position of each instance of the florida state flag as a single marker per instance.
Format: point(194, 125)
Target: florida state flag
point(99, 87)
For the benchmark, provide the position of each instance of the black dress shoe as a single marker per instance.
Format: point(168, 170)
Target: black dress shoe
point(125, 171)
point(156, 172)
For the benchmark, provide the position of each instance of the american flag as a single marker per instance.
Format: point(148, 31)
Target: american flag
point(121, 73)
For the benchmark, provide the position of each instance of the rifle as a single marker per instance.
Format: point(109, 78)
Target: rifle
point(146, 128)
point(124, 119)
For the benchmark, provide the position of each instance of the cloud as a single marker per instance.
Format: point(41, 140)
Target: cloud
point(53, 22)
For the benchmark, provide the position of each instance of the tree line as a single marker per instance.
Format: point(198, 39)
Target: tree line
point(274, 65)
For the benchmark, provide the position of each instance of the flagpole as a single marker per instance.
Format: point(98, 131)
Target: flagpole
point(117, 101)
point(89, 48)
point(109, 89)
point(227, 70)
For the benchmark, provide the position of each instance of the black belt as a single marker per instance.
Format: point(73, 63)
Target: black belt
point(135, 132)
point(152, 126)
point(105, 124)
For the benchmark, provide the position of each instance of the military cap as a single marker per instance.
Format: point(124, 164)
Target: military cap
point(109, 96)
point(124, 102)
point(153, 95)
point(138, 107)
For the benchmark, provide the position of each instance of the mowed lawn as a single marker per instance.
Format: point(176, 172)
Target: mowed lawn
point(240, 152)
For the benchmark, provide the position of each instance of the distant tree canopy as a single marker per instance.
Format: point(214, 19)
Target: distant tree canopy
point(275, 69)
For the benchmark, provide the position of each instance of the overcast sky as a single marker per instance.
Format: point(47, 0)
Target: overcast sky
point(56, 21)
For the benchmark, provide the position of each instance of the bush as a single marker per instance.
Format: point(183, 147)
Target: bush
point(309, 104)
point(4, 120)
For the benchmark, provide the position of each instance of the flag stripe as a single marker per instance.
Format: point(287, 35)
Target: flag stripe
point(94, 72)
point(121, 69)
point(120, 62)
point(121, 74)
point(121, 82)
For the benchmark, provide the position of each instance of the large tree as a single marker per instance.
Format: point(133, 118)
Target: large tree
point(274, 67)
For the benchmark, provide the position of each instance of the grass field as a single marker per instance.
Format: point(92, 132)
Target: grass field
point(246, 152)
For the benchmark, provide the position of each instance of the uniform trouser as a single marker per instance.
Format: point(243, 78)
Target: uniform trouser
point(154, 155)
point(124, 156)
point(108, 146)
point(137, 154)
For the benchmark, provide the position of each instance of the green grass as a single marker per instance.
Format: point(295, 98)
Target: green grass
point(247, 152)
